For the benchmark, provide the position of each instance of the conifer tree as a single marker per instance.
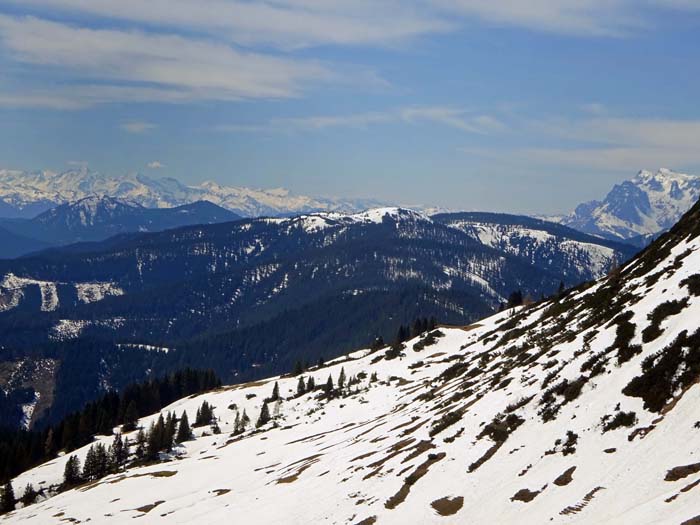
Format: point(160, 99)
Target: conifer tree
point(341, 378)
point(140, 444)
point(298, 368)
point(275, 392)
point(301, 387)
point(264, 417)
point(118, 453)
point(131, 417)
point(29, 496)
point(329, 386)
point(311, 384)
point(71, 472)
point(7, 502)
point(170, 430)
point(184, 432)
point(245, 420)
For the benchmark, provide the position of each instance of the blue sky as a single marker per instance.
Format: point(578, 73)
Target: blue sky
point(470, 104)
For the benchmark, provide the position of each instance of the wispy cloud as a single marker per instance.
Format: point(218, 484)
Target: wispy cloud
point(447, 116)
point(155, 165)
point(137, 127)
point(285, 24)
point(605, 144)
point(116, 65)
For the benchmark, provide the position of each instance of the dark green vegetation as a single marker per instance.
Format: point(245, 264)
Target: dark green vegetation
point(250, 298)
point(20, 450)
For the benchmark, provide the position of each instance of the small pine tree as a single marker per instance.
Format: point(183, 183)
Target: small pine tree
point(131, 418)
point(71, 472)
point(301, 387)
point(311, 384)
point(298, 368)
point(264, 417)
point(184, 432)
point(29, 496)
point(341, 378)
point(118, 453)
point(237, 424)
point(373, 378)
point(245, 421)
point(328, 389)
point(275, 392)
point(140, 444)
point(7, 502)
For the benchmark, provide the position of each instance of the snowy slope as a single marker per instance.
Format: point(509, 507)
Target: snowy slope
point(648, 204)
point(545, 244)
point(29, 193)
point(578, 410)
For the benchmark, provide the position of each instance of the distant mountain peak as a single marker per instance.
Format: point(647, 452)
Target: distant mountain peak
point(26, 194)
point(645, 205)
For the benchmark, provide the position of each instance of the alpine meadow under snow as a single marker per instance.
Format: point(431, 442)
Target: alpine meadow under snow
point(579, 409)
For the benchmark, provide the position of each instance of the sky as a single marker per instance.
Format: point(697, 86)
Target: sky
point(500, 105)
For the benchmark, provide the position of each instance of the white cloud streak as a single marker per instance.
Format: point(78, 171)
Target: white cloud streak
point(447, 116)
point(606, 144)
point(137, 66)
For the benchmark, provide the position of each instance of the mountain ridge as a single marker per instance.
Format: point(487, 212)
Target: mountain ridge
point(639, 208)
point(23, 193)
point(579, 409)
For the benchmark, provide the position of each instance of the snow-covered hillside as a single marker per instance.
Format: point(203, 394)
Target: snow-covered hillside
point(646, 205)
point(26, 194)
point(583, 409)
point(542, 243)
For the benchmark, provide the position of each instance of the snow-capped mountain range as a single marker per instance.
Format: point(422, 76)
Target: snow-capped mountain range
point(25, 194)
point(580, 409)
point(638, 209)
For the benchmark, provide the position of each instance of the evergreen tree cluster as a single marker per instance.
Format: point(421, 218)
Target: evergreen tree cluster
point(419, 326)
point(22, 449)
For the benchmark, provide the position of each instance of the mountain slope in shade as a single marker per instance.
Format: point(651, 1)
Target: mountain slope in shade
point(579, 410)
point(234, 296)
point(97, 218)
point(580, 257)
point(639, 208)
point(22, 192)
point(13, 245)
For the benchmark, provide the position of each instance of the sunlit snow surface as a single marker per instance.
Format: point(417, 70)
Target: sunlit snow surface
point(347, 460)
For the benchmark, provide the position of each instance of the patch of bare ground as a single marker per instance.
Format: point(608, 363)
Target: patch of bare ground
point(684, 489)
point(565, 478)
point(305, 464)
point(487, 455)
point(610, 450)
point(684, 471)
point(422, 469)
point(314, 437)
point(575, 509)
point(148, 508)
point(526, 495)
point(363, 456)
point(448, 506)
point(405, 424)
point(367, 521)
point(692, 521)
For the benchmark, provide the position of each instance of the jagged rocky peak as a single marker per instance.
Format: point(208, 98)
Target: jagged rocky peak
point(580, 409)
point(644, 206)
